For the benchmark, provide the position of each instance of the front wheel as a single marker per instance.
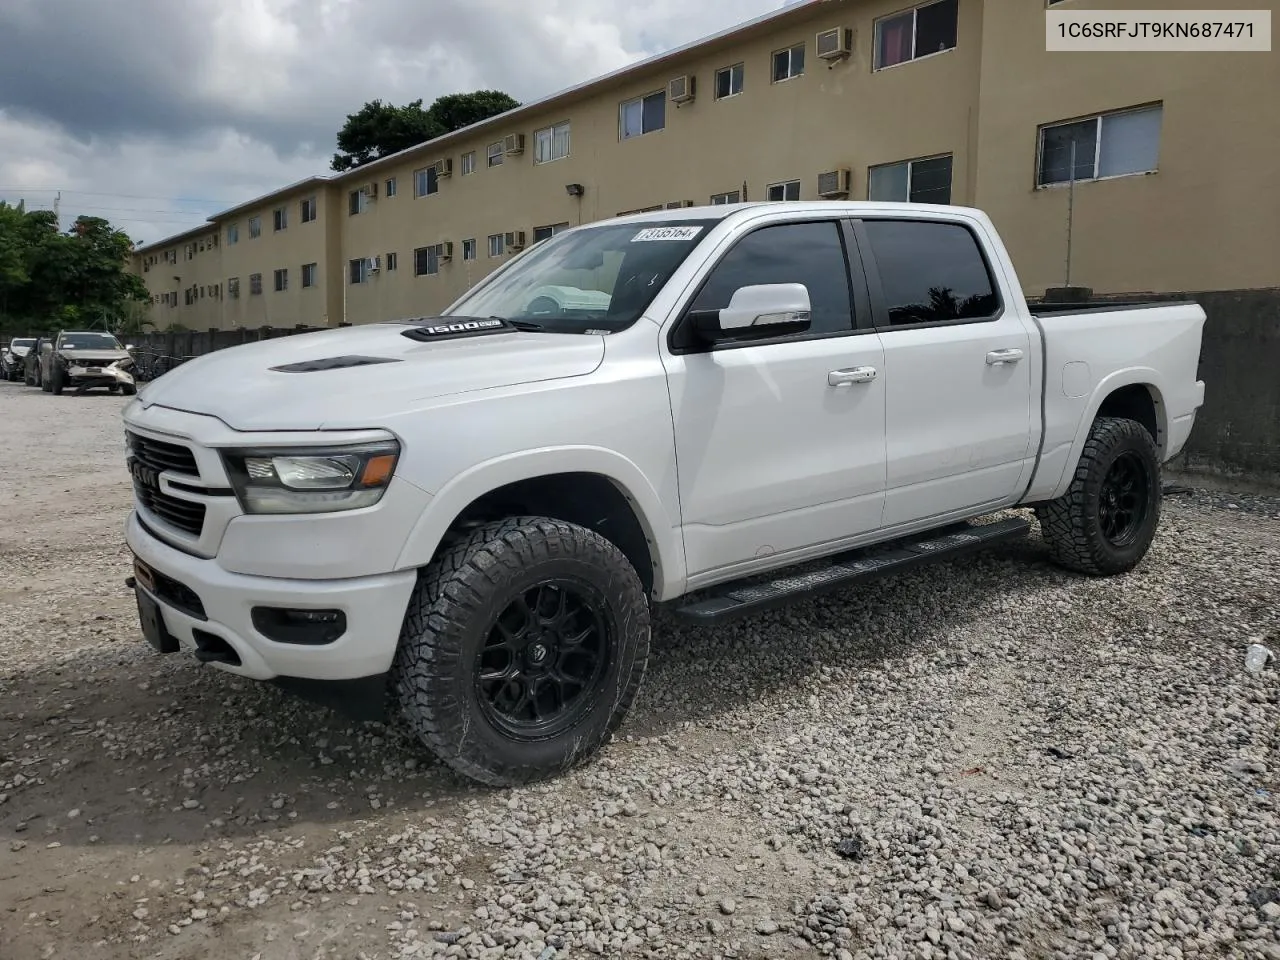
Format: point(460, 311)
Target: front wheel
point(1105, 522)
point(522, 649)
point(58, 379)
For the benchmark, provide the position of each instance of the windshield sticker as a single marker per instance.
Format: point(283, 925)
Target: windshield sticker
point(666, 233)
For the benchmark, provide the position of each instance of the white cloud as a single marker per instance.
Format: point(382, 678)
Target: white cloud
point(149, 105)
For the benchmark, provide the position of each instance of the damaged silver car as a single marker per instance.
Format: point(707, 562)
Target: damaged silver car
point(85, 359)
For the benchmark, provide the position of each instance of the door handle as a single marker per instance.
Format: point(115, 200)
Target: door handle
point(838, 378)
point(1012, 355)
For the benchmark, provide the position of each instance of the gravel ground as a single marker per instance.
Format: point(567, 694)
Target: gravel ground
point(995, 759)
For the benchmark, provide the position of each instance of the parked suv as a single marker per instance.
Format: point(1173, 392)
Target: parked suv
point(85, 359)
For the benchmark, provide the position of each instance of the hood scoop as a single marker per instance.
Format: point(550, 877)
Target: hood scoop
point(331, 363)
point(430, 332)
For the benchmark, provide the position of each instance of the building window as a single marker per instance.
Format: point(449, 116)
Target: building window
point(916, 33)
point(1109, 145)
point(496, 245)
point(729, 81)
point(788, 63)
point(308, 274)
point(255, 284)
point(426, 261)
point(914, 181)
point(308, 209)
point(282, 280)
point(468, 162)
point(789, 190)
point(468, 249)
point(642, 115)
point(392, 260)
point(358, 270)
point(720, 198)
point(233, 233)
point(546, 233)
point(233, 288)
point(495, 153)
point(279, 219)
point(391, 186)
point(255, 227)
point(357, 202)
point(930, 272)
point(425, 182)
point(551, 143)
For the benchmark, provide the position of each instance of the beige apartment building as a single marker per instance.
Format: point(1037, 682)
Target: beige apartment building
point(949, 101)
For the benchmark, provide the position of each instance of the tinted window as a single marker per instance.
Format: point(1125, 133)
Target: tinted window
point(808, 253)
point(930, 272)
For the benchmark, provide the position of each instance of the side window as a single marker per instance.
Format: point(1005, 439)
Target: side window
point(931, 272)
point(808, 253)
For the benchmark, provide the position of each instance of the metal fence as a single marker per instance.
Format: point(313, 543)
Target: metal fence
point(158, 352)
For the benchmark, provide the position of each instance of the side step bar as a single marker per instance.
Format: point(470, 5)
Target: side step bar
point(741, 597)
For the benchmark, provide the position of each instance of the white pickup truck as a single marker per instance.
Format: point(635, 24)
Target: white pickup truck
point(477, 510)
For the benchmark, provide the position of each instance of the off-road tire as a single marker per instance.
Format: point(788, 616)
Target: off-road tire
point(128, 389)
point(1073, 525)
point(452, 614)
point(57, 378)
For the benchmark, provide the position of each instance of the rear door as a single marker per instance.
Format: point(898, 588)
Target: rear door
point(958, 426)
point(779, 442)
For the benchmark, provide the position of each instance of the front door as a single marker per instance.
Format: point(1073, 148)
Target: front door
point(958, 371)
point(780, 443)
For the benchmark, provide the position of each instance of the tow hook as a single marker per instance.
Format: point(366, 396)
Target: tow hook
point(131, 582)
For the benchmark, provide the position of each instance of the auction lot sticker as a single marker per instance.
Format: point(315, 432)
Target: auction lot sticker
point(666, 233)
point(1158, 31)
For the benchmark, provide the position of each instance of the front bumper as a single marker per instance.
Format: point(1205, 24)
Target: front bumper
point(81, 375)
point(374, 607)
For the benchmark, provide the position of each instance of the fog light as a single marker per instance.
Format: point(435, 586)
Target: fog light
point(307, 627)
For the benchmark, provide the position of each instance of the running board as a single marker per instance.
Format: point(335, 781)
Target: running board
point(739, 598)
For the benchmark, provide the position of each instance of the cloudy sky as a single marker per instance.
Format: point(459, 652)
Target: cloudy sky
point(157, 113)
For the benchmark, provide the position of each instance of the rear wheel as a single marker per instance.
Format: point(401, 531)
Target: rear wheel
point(57, 378)
point(1105, 522)
point(522, 649)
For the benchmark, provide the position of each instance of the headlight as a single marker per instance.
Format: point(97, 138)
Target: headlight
point(311, 480)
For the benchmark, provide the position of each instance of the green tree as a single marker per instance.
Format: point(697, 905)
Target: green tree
point(379, 129)
point(50, 279)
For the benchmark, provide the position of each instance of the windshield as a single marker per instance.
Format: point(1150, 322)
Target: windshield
point(88, 341)
point(22, 342)
point(595, 278)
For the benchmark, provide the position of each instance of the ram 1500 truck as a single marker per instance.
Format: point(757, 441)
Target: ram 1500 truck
point(481, 508)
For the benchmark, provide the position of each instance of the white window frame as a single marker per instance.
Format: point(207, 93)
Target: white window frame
point(789, 51)
point(500, 246)
point(622, 109)
point(910, 165)
point(469, 249)
point(720, 199)
point(741, 67)
point(307, 206)
point(549, 136)
point(362, 271)
point(390, 187)
point(1097, 146)
point(309, 275)
point(783, 184)
point(494, 154)
point(468, 163)
point(279, 219)
point(876, 67)
point(432, 261)
point(280, 279)
point(255, 229)
point(422, 183)
point(233, 233)
point(392, 260)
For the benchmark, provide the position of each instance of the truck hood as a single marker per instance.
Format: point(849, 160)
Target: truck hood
point(353, 376)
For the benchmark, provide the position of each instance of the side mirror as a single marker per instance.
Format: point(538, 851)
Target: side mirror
point(128, 346)
point(765, 310)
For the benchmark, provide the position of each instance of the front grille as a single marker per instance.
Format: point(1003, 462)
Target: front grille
point(183, 514)
point(159, 456)
point(163, 456)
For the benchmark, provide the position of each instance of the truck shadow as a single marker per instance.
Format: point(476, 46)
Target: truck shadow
point(154, 750)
